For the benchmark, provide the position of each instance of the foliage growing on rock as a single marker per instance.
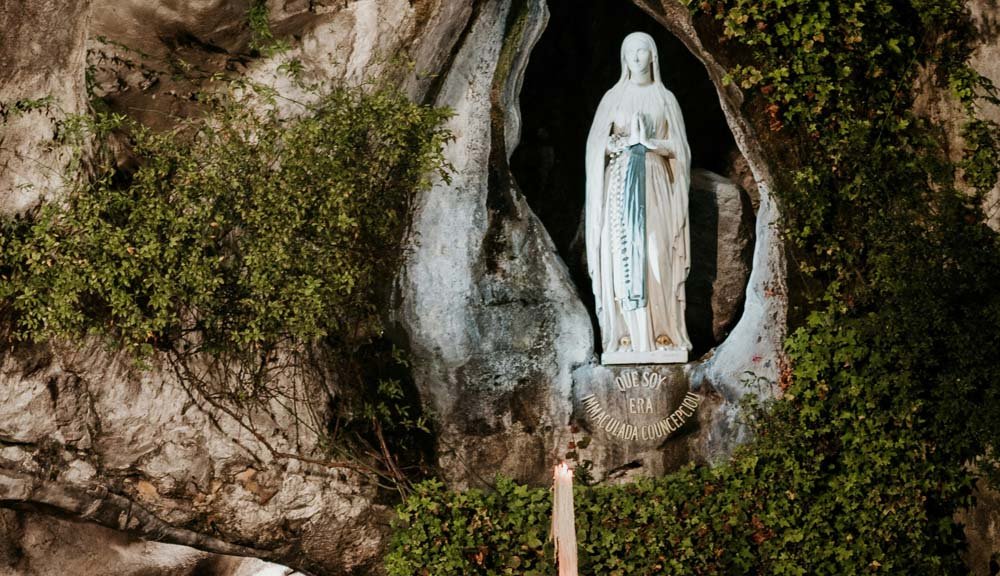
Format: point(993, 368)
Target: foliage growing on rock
point(262, 39)
point(890, 392)
point(882, 214)
point(235, 243)
point(245, 228)
point(787, 504)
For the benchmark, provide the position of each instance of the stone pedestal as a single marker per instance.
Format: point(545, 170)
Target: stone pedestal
point(634, 420)
point(665, 356)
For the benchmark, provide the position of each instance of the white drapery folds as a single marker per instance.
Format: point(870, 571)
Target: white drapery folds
point(661, 322)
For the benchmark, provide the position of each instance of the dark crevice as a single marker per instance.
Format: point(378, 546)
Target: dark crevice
point(52, 385)
point(185, 39)
point(438, 82)
point(623, 469)
point(8, 441)
point(500, 184)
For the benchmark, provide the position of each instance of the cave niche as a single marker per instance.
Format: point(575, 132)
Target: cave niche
point(574, 62)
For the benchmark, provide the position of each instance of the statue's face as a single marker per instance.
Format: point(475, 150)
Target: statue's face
point(637, 56)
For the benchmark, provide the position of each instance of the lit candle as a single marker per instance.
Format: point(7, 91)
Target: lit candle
point(563, 522)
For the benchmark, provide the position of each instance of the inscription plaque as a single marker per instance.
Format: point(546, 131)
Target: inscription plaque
point(635, 408)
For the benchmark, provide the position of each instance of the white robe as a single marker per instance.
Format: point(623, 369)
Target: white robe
point(667, 234)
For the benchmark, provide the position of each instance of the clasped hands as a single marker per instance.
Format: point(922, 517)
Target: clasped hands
point(637, 135)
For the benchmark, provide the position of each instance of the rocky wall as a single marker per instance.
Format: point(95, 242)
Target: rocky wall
point(501, 343)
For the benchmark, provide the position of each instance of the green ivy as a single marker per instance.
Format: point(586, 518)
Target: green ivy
point(877, 208)
point(840, 479)
point(834, 501)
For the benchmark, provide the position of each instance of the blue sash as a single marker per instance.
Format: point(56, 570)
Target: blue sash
point(633, 226)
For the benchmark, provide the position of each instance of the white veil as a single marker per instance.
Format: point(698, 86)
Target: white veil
point(680, 167)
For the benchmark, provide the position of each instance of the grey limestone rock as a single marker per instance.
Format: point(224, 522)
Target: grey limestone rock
point(42, 545)
point(42, 63)
point(721, 221)
point(491, 316)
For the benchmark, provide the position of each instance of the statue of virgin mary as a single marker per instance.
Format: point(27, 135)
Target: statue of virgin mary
point(638, 172)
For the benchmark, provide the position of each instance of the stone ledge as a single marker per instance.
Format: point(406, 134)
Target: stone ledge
point(670, 356)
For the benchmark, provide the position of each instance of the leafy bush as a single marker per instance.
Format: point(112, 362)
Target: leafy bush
point(853, 495)
point(877, 209)
point(250, 249)
point(242, 231)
